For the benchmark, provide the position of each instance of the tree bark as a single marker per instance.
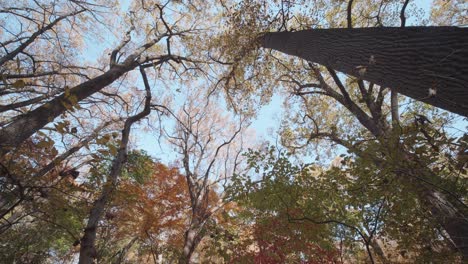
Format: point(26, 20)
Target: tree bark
point(193, 235)
point(191, 240)
point(452, 219)
point(87, 250)
point(26, 125)
point(428, 64)
point(378, 250)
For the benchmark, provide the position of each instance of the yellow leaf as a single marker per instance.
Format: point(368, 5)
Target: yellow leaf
point(54, 152)
point(103, 152)
point(44, 144)
point(19, 84)
point(113, 150)
point(60, 127)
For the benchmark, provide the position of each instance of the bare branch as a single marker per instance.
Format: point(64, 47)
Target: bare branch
point(31, 39)
point(350, 15)
point(402, 13)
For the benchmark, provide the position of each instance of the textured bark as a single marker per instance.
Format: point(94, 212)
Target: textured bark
point(200, 215)
point(408, 60)
point(378, 250)
point(394, 109)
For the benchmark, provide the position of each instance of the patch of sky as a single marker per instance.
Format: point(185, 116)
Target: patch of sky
point(268, 119)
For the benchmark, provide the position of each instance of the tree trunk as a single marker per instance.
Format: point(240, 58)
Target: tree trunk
point(450, 214)
point(121, 255)
point(451, 218)
point(191, 240)
point(378, 251)
point(428, 64)
point(87, 250)
point(26, 125)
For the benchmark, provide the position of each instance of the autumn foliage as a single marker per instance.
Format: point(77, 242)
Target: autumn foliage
point(234, 131)
point(154, 210)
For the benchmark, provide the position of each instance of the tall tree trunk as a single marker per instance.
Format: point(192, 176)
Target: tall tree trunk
point(378, 251)
point(87, 250)
point(452, 218)
point(191, 240)
point(429, 64)
point(194, 233)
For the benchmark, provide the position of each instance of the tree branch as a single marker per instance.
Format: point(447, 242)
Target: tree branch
point(402, 13)
point(36, 34)
point(350, 18)
point(87, 250)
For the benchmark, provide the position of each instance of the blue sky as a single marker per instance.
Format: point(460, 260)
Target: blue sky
point(265, 125)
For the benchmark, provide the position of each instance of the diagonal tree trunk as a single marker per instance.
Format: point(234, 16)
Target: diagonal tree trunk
point(451, 217)
point(21, 129)
point(87, 250)
point(429, 64)
point(410, 61)
point(15, 133)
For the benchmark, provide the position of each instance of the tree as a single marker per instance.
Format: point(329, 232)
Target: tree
point(148, 214)
point(20, 127)
point(424, 63)
point(348, 207)
point(87, 249)
point(40, 215)
point(205, 141)
point(69, 187)
point(326, 95)
point(269, 195)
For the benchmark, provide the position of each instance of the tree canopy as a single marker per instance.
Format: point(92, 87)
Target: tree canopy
point(129, 131)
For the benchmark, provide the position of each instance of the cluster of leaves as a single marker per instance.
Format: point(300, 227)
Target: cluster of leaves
point(149, 209)
point(351, 209)
point(41, 215)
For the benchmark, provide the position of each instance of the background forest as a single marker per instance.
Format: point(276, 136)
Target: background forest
point(191, 131)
